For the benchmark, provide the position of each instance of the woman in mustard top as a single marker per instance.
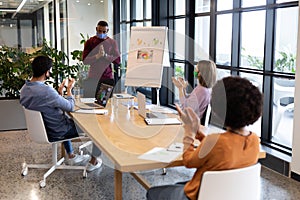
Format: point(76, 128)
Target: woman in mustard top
point(237, 103)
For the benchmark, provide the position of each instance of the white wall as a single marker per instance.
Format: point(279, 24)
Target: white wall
point(295, 165)
point(84, 18)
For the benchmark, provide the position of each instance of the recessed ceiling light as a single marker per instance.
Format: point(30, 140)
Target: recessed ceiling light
point(77, 1)
point(1, 3)
point(101, 1)
point(89, 4)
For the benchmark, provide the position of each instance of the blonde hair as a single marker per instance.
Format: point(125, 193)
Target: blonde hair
point(207, 73)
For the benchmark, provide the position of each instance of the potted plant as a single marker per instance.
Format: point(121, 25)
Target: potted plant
point(15, 69)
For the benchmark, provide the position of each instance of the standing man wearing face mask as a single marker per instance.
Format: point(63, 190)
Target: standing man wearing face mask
point(100, 51)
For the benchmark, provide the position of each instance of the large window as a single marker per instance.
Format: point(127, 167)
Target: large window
point(250, 38)
point(133, 13)
point(284, 63)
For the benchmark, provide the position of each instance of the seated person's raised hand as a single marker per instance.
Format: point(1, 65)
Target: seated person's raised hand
point(180, 83)
point(71, 83)
point(61, 87)
point(191, 121)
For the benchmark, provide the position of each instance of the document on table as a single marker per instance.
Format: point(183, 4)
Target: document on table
point(165, 155)
point(93, 111)
point(87, 100)
point(162, 109)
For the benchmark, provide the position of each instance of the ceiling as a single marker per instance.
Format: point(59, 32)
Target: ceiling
point(10, 6)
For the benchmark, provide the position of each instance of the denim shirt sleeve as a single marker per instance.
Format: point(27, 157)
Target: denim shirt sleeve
point(57, 101)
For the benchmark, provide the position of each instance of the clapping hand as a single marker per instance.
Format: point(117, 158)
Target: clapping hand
point(71, 83)
point(190, 119)
point(191, 122)
point(61, 87)
point(101, 52)
point(180, 83)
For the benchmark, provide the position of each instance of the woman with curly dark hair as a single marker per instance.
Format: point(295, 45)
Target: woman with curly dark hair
point(237, 103)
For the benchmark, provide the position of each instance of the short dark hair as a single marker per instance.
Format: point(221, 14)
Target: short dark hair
point(102, 23)
point(236, 102)
point(40, 65)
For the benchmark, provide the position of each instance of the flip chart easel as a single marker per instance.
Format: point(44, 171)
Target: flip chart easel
point(148, 54)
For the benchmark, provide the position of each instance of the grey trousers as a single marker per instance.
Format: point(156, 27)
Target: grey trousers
point(167, 192)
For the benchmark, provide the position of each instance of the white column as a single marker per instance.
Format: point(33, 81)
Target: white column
point(46, 22)
point(57, 17)
point(295, 165)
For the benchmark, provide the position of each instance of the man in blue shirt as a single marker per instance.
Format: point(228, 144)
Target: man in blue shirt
point(36, 95)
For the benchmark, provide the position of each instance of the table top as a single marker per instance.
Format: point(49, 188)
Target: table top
point(123, 136)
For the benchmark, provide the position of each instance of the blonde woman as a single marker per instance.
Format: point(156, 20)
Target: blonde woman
point(198, 99)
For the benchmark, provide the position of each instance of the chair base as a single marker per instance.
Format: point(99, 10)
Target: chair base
point(51, 168)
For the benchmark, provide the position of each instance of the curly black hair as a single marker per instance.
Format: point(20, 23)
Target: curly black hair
point(236, 102)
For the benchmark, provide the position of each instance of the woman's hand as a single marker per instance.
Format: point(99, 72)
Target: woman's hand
point(180, 83)
point(200, 133)
point(191, 121)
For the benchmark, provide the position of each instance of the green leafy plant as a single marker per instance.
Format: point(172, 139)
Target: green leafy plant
point(14, 70)
point(179, 71)
point(77, 56)
point(255, 62)
point(285, 63)
point(60, 69)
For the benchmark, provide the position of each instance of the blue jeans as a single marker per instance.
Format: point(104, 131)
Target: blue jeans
point(72, 133)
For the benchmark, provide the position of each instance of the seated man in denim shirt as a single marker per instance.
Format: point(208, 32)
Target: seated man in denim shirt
point(36, 95)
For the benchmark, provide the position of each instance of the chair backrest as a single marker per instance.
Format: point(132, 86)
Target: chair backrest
point(206, 116)
point(35, 126)
point(235, 184)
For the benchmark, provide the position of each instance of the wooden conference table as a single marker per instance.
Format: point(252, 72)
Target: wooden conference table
point(123, 136)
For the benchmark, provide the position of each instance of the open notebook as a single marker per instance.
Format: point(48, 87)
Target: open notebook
point(153, 118)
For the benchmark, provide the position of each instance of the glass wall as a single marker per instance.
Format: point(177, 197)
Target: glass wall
point(284, 63)
point(133, 13)
point(252, 39)
point(9, 32)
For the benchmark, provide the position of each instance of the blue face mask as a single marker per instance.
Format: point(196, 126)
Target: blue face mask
point(101, 35)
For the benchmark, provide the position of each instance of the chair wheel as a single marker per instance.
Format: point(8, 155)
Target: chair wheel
point(42, 183)
point(24, 171)
point(164, 171)
point(84, 174)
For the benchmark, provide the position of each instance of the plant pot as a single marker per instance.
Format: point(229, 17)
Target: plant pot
point(11, 115)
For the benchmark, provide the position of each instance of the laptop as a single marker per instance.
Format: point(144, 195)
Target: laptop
point(153, 118)
point(103, 94)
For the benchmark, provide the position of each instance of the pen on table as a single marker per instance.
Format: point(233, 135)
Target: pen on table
point(176, 149)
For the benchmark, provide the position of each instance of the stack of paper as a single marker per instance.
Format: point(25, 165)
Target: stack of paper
point(93, 111)
point(165, 155)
